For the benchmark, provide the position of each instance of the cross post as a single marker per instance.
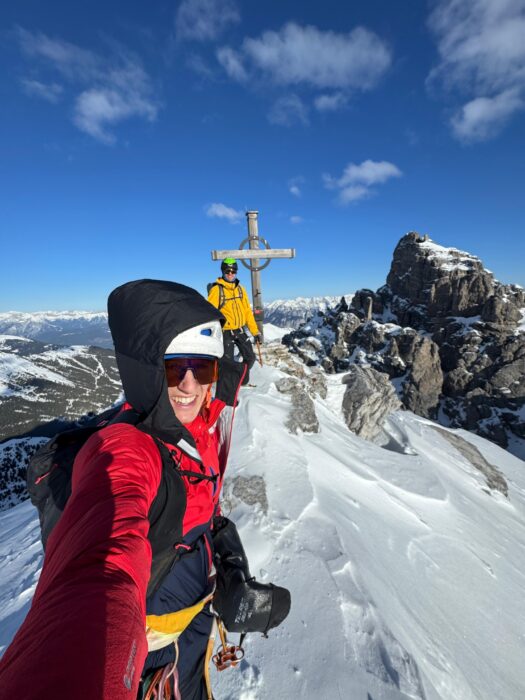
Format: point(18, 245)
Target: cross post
point(251, 258)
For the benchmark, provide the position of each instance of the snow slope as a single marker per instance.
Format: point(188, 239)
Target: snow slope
point(407, 570)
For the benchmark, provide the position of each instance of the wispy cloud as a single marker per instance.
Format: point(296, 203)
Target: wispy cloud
point(357, 181)
point(73, 62)
point(97, 109)
point(205, 20)
point(51, 92)
point(231, 61)
point(296, 220)
point(484, 117)
point(331, 102)
point(288, 111)
point(321, 59)
point(107, 89)
point(481, 44)
point(306, 58)
point(294, 185)
point(221, 211)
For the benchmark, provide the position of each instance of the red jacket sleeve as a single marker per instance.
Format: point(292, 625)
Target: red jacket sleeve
point(84, 636)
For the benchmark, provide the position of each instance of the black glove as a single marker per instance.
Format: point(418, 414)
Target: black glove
point(243, 604)
point(257, 339)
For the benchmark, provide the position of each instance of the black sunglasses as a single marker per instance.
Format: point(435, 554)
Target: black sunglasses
point(205, 371)
point(230, 270)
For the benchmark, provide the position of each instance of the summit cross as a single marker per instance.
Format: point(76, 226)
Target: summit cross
point(255, 258)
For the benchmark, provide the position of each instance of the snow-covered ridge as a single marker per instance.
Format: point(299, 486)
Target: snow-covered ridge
point(294, 312)
point(318, 302)
point(404, 565)
point(47, 316)
point(440, 251)
point(61, 327)
point(91, 327)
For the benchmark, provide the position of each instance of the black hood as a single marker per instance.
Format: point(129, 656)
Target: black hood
point(144, 316)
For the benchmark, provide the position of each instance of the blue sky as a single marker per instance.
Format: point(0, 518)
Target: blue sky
point(133, 136)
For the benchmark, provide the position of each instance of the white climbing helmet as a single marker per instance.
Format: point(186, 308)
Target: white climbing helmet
point(204, 339)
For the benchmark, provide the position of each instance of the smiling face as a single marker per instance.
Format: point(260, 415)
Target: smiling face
point(187, 397)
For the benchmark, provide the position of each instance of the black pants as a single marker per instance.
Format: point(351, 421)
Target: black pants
point(239, 338)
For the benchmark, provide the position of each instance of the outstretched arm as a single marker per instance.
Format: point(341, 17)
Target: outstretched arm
point(84, 634)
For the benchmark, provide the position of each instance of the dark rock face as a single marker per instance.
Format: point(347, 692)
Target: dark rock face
point(14, 457)
point(443, 330)
point(444, 281)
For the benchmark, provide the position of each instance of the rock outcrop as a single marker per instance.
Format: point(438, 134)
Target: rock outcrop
point(443, 330)
point(369, 398)
point(302, 416)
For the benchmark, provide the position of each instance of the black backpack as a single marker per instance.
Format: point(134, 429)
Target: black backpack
point(49, 475)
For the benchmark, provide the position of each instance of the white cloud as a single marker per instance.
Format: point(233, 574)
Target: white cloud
point(296, 219)
point(205, 20)
point(323, 59)
point(96, 109)
point(110, 89)
point(231, 61)
point(330, 102)
point(294, 185)
point(221, 211)
point(51, 92)
point(357, 180)
point(481, 44)
point(288, 110)
point(482, 118)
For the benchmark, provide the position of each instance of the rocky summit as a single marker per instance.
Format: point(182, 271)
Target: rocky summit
point(449, 337)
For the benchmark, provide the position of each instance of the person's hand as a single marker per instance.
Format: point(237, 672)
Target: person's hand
point(258, 339)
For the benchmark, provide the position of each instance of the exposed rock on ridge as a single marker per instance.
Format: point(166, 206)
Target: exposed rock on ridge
point(368, 399)
point(444, 331)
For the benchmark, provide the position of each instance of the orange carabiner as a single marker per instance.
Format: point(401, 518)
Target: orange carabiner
point(228, 655)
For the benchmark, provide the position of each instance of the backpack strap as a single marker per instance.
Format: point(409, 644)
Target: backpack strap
point(222, 297)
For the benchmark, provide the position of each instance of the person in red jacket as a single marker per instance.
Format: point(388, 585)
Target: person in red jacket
point(85, 634)
point(123, 604)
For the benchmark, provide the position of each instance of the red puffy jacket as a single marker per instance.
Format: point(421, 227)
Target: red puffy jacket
point(96, 569)
point(84, 636)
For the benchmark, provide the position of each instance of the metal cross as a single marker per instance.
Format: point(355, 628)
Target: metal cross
point(251, 259)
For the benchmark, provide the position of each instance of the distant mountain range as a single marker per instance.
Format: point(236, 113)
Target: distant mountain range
point(43, 384)
point(292, 313)
point(61, 327)
point(45, 388)
point(91, 327)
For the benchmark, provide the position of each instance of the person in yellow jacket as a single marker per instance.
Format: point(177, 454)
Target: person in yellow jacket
point(229, 296)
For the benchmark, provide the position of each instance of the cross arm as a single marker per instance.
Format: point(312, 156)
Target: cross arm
point(254, 254)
